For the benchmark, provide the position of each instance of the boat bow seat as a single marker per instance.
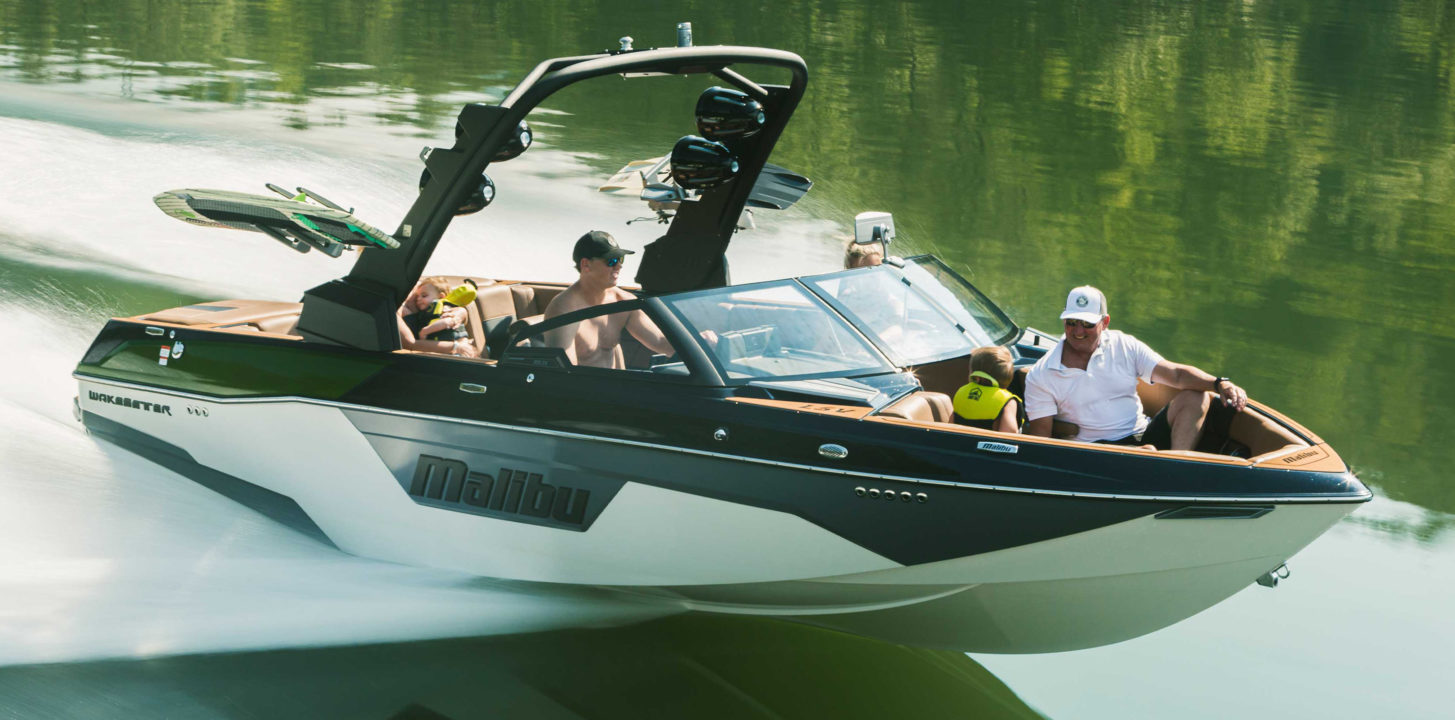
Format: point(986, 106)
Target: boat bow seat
point(922, 406)
point(234, 315)
point(1262, 434)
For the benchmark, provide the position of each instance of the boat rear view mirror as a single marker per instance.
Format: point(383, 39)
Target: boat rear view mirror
point(519, 143)
point(483, 195)
point(726, 114)
point(874, 227)
point(699, 163)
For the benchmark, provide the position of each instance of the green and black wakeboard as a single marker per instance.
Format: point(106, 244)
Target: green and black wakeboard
point(290, 219)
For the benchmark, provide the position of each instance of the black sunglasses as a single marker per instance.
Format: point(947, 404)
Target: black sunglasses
point(612, 262)
point(1072, 322)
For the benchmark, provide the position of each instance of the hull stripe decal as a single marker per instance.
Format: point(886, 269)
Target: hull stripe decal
point(1362, 497)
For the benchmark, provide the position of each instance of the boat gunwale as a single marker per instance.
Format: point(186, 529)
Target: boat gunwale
point(1358, 497)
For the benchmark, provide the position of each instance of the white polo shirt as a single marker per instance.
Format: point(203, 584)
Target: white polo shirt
point(1102, 399)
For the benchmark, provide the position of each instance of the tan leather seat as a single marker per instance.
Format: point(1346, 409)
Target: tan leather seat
point(227, 312)
point(235, 316)
point(1261, 434)
point(496, 307)
point(922, 406)
point(532, 300)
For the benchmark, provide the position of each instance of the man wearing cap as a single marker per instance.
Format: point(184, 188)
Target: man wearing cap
point(1090, 379)
point(595, 341)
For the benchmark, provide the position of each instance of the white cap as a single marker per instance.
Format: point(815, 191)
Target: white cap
point(1085, 303)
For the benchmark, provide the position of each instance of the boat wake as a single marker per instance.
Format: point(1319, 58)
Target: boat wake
point(103, 554)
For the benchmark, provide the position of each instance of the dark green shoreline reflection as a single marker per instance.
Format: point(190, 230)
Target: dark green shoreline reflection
point(693, 666)
point(1266, 190)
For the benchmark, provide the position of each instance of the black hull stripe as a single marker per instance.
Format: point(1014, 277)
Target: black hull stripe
point(277, 507)
point(1260, 499)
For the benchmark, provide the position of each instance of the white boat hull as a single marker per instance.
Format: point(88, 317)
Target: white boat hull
point(1080, 590)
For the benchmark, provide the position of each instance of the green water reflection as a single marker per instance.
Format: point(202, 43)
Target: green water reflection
point(680, 667)
point(1266, 190)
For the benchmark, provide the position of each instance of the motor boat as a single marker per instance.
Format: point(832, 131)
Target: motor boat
point(790, 453)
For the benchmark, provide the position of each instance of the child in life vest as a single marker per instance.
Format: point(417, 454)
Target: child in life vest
point(436, 325)
point(435, 318)
point(984, 402)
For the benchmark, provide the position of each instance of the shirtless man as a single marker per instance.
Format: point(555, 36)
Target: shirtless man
point(596, 341)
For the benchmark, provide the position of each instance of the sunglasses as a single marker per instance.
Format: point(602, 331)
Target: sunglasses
point(612, 262)
point(1070, 322)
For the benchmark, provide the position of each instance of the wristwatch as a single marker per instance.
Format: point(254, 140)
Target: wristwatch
point(1218, 384)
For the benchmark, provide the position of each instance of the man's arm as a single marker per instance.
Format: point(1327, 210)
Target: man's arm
point(1187, 377)
point(408, 341)
point(563, 337)
point(452, 318)
point(1038, 402)
point(643, 329)
point(1039, 426)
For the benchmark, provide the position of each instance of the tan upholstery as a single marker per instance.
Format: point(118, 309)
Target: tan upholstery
point(524, 297)
point(226, 312)
point(532, 300)
point(922, 406)
point(280, 324)
point(234, 315)
point(495, 301)
point(1261, 434)
point(1155, 397)
point(945, 376)
point(941, 406)
point(495, 307)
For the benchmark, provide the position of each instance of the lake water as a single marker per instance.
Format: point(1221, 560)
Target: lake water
point(1263, 189)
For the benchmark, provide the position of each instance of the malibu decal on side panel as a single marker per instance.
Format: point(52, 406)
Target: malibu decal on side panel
point(510, 494)
point(497, 473)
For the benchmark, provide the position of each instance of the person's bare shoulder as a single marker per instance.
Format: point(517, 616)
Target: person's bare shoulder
point(568, 300)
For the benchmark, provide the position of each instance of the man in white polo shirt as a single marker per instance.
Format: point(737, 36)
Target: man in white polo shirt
point(1090, 378)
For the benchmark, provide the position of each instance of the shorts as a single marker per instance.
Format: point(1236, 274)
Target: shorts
point(1158, 434)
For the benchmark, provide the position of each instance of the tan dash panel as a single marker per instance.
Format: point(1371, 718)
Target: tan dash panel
point(846, 411)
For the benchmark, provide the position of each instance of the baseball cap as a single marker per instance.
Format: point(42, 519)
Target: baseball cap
point(1085, 303)
point(598, 244)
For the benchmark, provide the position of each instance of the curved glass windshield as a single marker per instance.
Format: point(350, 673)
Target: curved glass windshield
point(976, 313)
point(919, 313)
point(774, 330)
point(906, 324)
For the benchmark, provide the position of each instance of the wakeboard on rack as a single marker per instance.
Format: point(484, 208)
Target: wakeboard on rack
point(291, 220)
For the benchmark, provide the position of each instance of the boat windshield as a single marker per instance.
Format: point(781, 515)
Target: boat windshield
point(920, 313)
point(774, 330)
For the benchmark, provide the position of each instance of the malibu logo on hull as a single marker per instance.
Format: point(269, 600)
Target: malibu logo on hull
point(516, 495)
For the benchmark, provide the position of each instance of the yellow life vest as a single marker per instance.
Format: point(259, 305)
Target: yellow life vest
point(981, 404)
